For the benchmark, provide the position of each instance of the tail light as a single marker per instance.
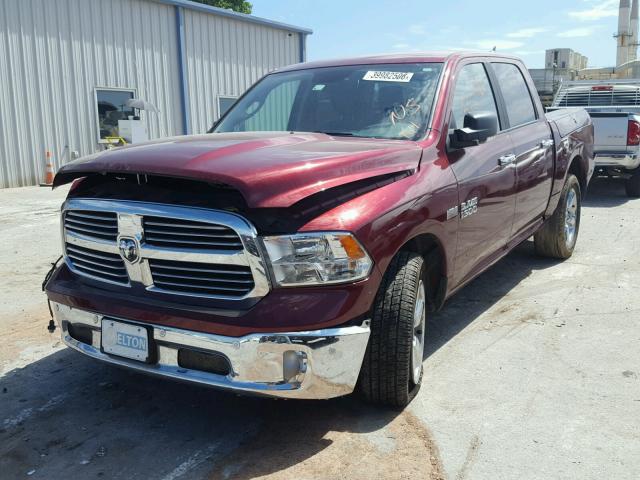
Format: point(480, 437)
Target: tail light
point(633, 133)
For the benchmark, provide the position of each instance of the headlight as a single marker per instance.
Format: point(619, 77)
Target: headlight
point(317, 258)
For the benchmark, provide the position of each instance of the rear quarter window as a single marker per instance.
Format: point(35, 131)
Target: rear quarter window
point(519, 105)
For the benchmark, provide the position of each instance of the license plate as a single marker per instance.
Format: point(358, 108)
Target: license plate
point(125, 340)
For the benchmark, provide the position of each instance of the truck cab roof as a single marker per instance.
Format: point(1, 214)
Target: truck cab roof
point(419, 57)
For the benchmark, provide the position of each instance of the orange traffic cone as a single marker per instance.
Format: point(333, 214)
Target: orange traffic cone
point(48, 170)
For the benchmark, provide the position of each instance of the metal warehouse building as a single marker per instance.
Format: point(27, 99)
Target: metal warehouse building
point(68, 66)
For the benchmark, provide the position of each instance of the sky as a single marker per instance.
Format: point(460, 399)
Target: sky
point(358, 27)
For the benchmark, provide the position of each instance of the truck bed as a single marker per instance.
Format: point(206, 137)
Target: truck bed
point(567, 120)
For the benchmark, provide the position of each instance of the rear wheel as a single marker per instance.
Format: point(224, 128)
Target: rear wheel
point(557, 237)
point(392, 368)
point(633, 185)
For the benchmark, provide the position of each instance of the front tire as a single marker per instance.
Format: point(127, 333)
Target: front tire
point(632, 185)
point(392, 368)
point(558, 236)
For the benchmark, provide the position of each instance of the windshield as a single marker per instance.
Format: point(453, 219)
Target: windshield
point(379, 101)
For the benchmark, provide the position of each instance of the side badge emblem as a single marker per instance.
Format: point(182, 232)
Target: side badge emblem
point(469, 207)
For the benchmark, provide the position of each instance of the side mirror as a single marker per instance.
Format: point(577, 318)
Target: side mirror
point(478, 127)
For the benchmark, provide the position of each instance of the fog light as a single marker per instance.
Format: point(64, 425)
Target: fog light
point(293, 364)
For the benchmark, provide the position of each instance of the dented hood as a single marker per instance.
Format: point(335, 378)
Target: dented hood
point(270, 169)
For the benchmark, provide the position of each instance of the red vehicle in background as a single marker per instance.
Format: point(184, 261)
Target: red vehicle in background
point(297, 248)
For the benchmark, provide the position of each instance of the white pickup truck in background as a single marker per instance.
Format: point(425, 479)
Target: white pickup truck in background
point(614, 106)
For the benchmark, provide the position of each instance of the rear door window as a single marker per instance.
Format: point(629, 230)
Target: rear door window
point(517, 97)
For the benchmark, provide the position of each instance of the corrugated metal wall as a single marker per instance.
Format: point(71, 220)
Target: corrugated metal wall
point(54, 53)
point(52, 56)
point(225, 57)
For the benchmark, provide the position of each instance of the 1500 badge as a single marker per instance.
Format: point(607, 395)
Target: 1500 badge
point(466, 208)
point(469, 207)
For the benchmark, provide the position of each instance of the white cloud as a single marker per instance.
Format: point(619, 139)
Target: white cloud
point(401, 46)
point(607, 8)
point(577, 32)
point(526, 32)
point(498, 44)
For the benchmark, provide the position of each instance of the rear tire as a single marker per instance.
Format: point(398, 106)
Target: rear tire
point(632, 185)
point(557, 237)
point(391, 372)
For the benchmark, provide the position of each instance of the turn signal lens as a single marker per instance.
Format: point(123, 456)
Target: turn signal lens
point(351, 247)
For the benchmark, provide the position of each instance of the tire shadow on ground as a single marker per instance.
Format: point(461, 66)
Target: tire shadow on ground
point(483, 293)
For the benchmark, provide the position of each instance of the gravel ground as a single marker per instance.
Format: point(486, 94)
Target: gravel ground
point(532, 371)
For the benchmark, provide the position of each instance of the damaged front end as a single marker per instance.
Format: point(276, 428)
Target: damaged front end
point(218, 196)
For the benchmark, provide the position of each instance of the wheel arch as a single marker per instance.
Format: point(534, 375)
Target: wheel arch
point(577, 168)
point(429, 246)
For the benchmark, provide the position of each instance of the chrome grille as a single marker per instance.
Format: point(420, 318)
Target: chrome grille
point(94, 224)
point(201, 278)
point(177, 250)
point(98, 264)
point(181, 233)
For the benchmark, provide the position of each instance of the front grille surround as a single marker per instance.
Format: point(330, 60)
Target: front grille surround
point(231, 269)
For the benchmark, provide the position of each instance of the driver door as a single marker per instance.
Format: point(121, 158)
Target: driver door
point(486, 178)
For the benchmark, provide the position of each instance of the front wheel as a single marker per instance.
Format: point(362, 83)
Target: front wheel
point(558, 236)
point(392, 368)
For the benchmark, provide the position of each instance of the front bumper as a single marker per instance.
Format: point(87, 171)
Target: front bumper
point(306, 365)
point(629, 161)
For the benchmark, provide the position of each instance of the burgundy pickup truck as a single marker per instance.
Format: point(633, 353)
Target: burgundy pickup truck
point(296, 249)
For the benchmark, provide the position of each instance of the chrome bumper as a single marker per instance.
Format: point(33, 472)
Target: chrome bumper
point(307, 365)
point(629, 161)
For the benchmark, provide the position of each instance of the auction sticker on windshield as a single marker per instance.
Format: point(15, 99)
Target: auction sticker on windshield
point(388, 76)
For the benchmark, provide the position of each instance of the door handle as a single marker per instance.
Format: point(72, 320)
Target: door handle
point(506, 160)
point(546, 143)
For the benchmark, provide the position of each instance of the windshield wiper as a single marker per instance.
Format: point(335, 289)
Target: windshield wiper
point(337, 134)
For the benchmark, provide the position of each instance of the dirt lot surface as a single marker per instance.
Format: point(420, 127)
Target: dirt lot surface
point(531, 372)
